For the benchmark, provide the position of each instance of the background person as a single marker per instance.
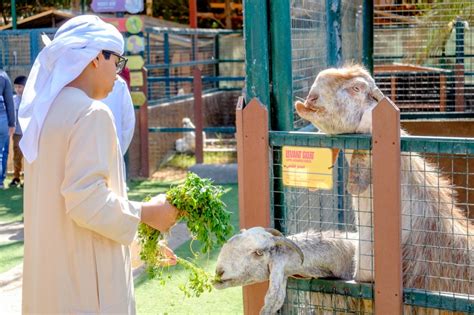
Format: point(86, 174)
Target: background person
point(7, 122)
point(120, 103)
point(19, 85)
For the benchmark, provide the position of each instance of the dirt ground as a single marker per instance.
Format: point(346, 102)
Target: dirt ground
point(169, 174)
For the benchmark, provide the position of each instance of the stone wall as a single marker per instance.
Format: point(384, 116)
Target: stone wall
point(219, 110)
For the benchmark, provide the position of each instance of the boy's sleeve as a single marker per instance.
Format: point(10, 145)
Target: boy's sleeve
point(92, 150)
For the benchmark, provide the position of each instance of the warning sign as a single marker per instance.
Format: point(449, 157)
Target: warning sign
point(307, 167)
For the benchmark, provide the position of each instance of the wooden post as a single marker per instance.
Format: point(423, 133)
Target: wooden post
point(254, 182)
point(192, 14)
point(442, 92)
point(387, 208)
point(143, 125)
point(197, 91)
point(393, 88)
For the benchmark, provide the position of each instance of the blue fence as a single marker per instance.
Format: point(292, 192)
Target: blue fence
point(170, 55)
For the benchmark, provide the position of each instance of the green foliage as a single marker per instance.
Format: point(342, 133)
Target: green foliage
point(435, 26)
point(200, 204)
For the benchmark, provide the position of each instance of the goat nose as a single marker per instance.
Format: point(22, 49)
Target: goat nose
point(219, 272)
point(312, 98)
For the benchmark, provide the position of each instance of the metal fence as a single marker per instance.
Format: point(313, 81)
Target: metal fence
point(437, 216)
point(436, 173)
point(424, 54)
point(170, 55)
point(315, 43)
point(19, 48)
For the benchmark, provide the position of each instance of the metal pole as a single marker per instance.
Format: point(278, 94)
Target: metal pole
point(217, 57)
point(197, 89)
point(166, 51)
point(282, 92)
point(334, 33)
point(257, 80)
point(13, 8)
point(368, 35)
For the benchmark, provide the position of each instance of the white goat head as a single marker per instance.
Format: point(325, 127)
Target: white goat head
point(341, 101)
point(249, 256)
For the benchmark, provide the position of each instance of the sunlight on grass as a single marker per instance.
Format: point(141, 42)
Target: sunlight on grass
point(11, 205)
point(11, 255)
point(184, 161)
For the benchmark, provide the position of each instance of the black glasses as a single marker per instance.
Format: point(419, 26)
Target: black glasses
point(120, 64)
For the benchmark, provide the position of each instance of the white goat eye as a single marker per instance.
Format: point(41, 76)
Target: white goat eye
point(356, 88)
point(258, 252)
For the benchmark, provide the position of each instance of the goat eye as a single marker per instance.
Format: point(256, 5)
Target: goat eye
point(258, 252)
point(356, 88)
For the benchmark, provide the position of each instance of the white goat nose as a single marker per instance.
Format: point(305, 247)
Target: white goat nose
point(219, 272)
point(312, 97)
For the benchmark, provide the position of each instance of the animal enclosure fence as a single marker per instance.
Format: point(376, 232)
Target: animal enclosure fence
point(438, 270)
point(424, 54)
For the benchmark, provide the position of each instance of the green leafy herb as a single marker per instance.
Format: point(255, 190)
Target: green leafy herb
point(208, 221)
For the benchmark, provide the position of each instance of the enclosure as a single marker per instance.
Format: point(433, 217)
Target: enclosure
point(421, 56)
point(170, 56)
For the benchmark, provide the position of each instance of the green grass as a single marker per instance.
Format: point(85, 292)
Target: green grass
point(184, 161)
point(11, 254)
point(153, 298)
point(11, 205)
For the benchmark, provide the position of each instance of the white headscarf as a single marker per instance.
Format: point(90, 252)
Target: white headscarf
point(76, 43)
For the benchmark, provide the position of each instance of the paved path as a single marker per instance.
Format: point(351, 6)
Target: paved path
point(11, 280)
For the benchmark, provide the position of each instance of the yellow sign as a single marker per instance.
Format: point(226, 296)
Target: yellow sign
point(135, 62)
point(135, 44)
point(307, 167)
point(138, 98)
point(136, 78)
point(134, 24)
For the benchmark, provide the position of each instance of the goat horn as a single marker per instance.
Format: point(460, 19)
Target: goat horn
point(273, 232)
point(283, 241)
point(377, 94)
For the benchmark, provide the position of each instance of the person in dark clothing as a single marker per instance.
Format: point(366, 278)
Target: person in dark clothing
point(19, 85)
point(7, 118)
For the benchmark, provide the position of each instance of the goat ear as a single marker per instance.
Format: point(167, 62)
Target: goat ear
point(376, 94)
point(286, 242)
point(359, 172)
point(276, 292)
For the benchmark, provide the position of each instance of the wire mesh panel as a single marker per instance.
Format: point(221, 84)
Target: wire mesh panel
point(308, 43)
point(437, 229)
point(309, 40)
point(424, 54)
point(319, 206)
point(19, 48)
point(437, 222)
point(172, 54)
